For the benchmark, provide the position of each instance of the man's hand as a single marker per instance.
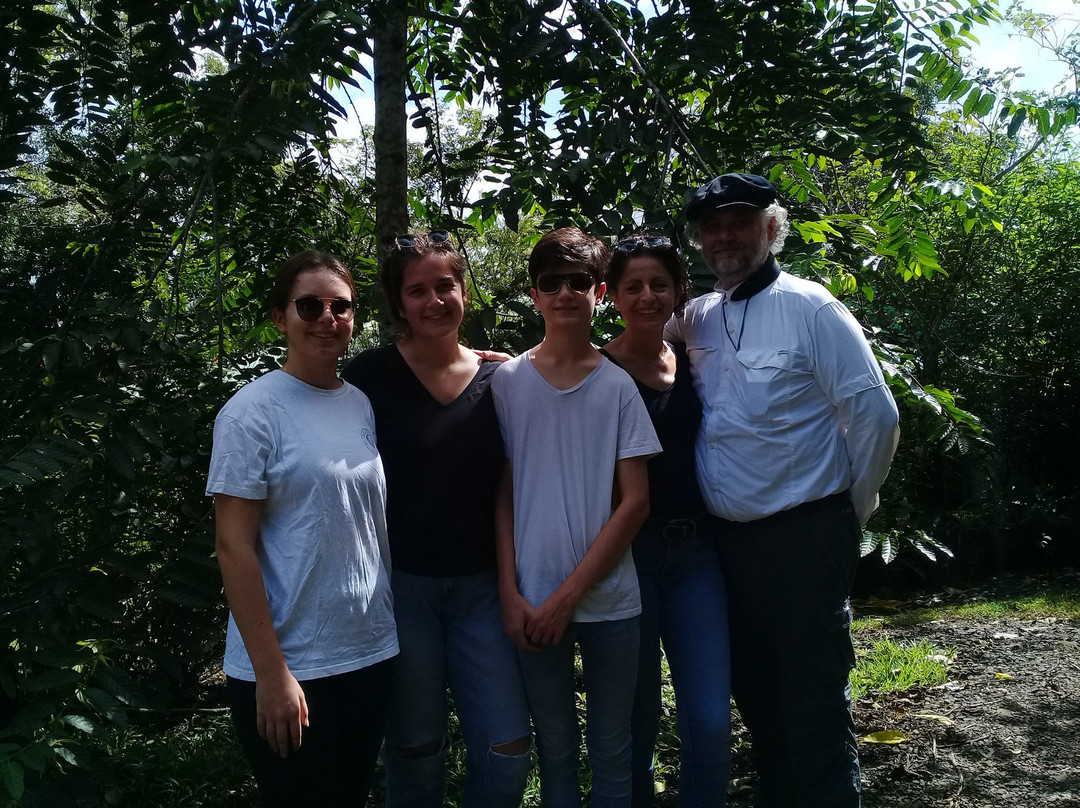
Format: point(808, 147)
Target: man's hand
point(516, 614)
point(548, 623)
point(280, 712)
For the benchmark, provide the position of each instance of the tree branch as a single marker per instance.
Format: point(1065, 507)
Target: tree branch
point(1019, 160)
point(587, 9)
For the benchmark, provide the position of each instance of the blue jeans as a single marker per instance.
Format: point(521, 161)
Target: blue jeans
point(789, 576)
point(450, 631)
point(609, 664)
point(683, 603)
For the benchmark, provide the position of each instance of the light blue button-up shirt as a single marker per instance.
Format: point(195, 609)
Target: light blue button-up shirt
point(795, 404)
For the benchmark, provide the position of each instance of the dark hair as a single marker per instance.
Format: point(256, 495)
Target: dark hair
point(667, 253)
point(295, 266)
point(398, 258)
point(568, 245)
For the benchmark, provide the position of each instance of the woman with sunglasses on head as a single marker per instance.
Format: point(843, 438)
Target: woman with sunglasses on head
point(440, 441)
point(302, 545)
point(683, 599)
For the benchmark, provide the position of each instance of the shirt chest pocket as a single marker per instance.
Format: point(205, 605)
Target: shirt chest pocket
point(697, 351)
point(772, 379)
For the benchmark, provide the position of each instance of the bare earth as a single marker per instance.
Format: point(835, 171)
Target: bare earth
point(1004, 732)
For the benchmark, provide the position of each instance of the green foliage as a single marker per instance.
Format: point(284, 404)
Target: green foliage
point(157, 762)
point(107, 545)
point(891, 543)
point(196, 762)
point(993, 329)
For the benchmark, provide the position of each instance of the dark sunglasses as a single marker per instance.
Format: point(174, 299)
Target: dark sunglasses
point(629, 245)
point(310, 308)
point(408, 240)
point(578, 281)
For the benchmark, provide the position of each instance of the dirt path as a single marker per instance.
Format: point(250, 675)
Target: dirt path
point(1004, 732)
point(1008, 735)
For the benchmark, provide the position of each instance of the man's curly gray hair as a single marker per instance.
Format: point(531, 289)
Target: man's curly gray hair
point(775, 211)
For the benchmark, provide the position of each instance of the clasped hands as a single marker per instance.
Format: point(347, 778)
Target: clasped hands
point(530, 629)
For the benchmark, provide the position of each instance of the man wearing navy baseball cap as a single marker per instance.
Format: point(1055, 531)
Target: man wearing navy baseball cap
point(798, 432)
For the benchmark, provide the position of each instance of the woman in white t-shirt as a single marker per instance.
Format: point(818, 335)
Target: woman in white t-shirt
point(300, 503)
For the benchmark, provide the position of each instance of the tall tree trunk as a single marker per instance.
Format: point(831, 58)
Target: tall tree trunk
point(391, 153)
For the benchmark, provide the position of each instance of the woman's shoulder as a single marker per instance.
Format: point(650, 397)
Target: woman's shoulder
point(372, 365)
point(379, 355)
point(486, 372)
point(254, 393)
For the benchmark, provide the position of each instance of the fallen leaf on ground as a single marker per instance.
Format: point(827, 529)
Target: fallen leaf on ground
point(885, 736)
point(948, 686)
point(943, 719)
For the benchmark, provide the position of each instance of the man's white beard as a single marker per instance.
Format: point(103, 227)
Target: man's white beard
point(733, 271)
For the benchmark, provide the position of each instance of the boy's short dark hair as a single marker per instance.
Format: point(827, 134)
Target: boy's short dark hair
point(568, 245)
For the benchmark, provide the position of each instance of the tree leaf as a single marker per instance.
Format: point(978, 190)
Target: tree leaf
point(11, 775)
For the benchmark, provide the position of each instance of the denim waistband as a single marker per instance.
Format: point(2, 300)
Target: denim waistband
point(677, 529)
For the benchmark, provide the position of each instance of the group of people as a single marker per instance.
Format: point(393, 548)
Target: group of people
point(698, 484)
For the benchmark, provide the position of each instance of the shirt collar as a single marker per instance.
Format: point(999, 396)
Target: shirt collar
point(760, 279)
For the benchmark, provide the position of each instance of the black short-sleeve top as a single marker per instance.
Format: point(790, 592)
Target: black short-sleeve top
point(442, 463)
point(676, 417)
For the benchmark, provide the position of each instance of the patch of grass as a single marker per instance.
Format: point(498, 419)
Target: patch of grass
point(1037, 606)
point(886, 666)
point(1040, 605)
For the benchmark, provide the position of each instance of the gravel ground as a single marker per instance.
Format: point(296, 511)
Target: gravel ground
point(1009, 727)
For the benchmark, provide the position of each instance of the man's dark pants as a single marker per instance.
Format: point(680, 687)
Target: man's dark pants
point(789, 576)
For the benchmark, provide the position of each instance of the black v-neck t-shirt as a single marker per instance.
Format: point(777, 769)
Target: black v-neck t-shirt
point(676, 417)
point(442, 462)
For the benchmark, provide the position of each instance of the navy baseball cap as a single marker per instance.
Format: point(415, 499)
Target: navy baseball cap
point(731, 189)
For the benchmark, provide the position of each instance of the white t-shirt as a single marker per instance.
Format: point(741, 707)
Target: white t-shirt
point(310, 454)
point(563, 445)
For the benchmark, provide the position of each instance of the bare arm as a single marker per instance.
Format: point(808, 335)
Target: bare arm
point(494, 356)
point(281, 709)
point(547, 625)
point(515, 609)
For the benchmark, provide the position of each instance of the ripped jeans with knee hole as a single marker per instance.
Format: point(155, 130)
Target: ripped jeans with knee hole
point(450, 632)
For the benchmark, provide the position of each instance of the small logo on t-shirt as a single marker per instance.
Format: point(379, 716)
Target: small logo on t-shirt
point(369, 439)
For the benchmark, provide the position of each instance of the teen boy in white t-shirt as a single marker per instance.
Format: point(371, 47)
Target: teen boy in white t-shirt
point(576, 492)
